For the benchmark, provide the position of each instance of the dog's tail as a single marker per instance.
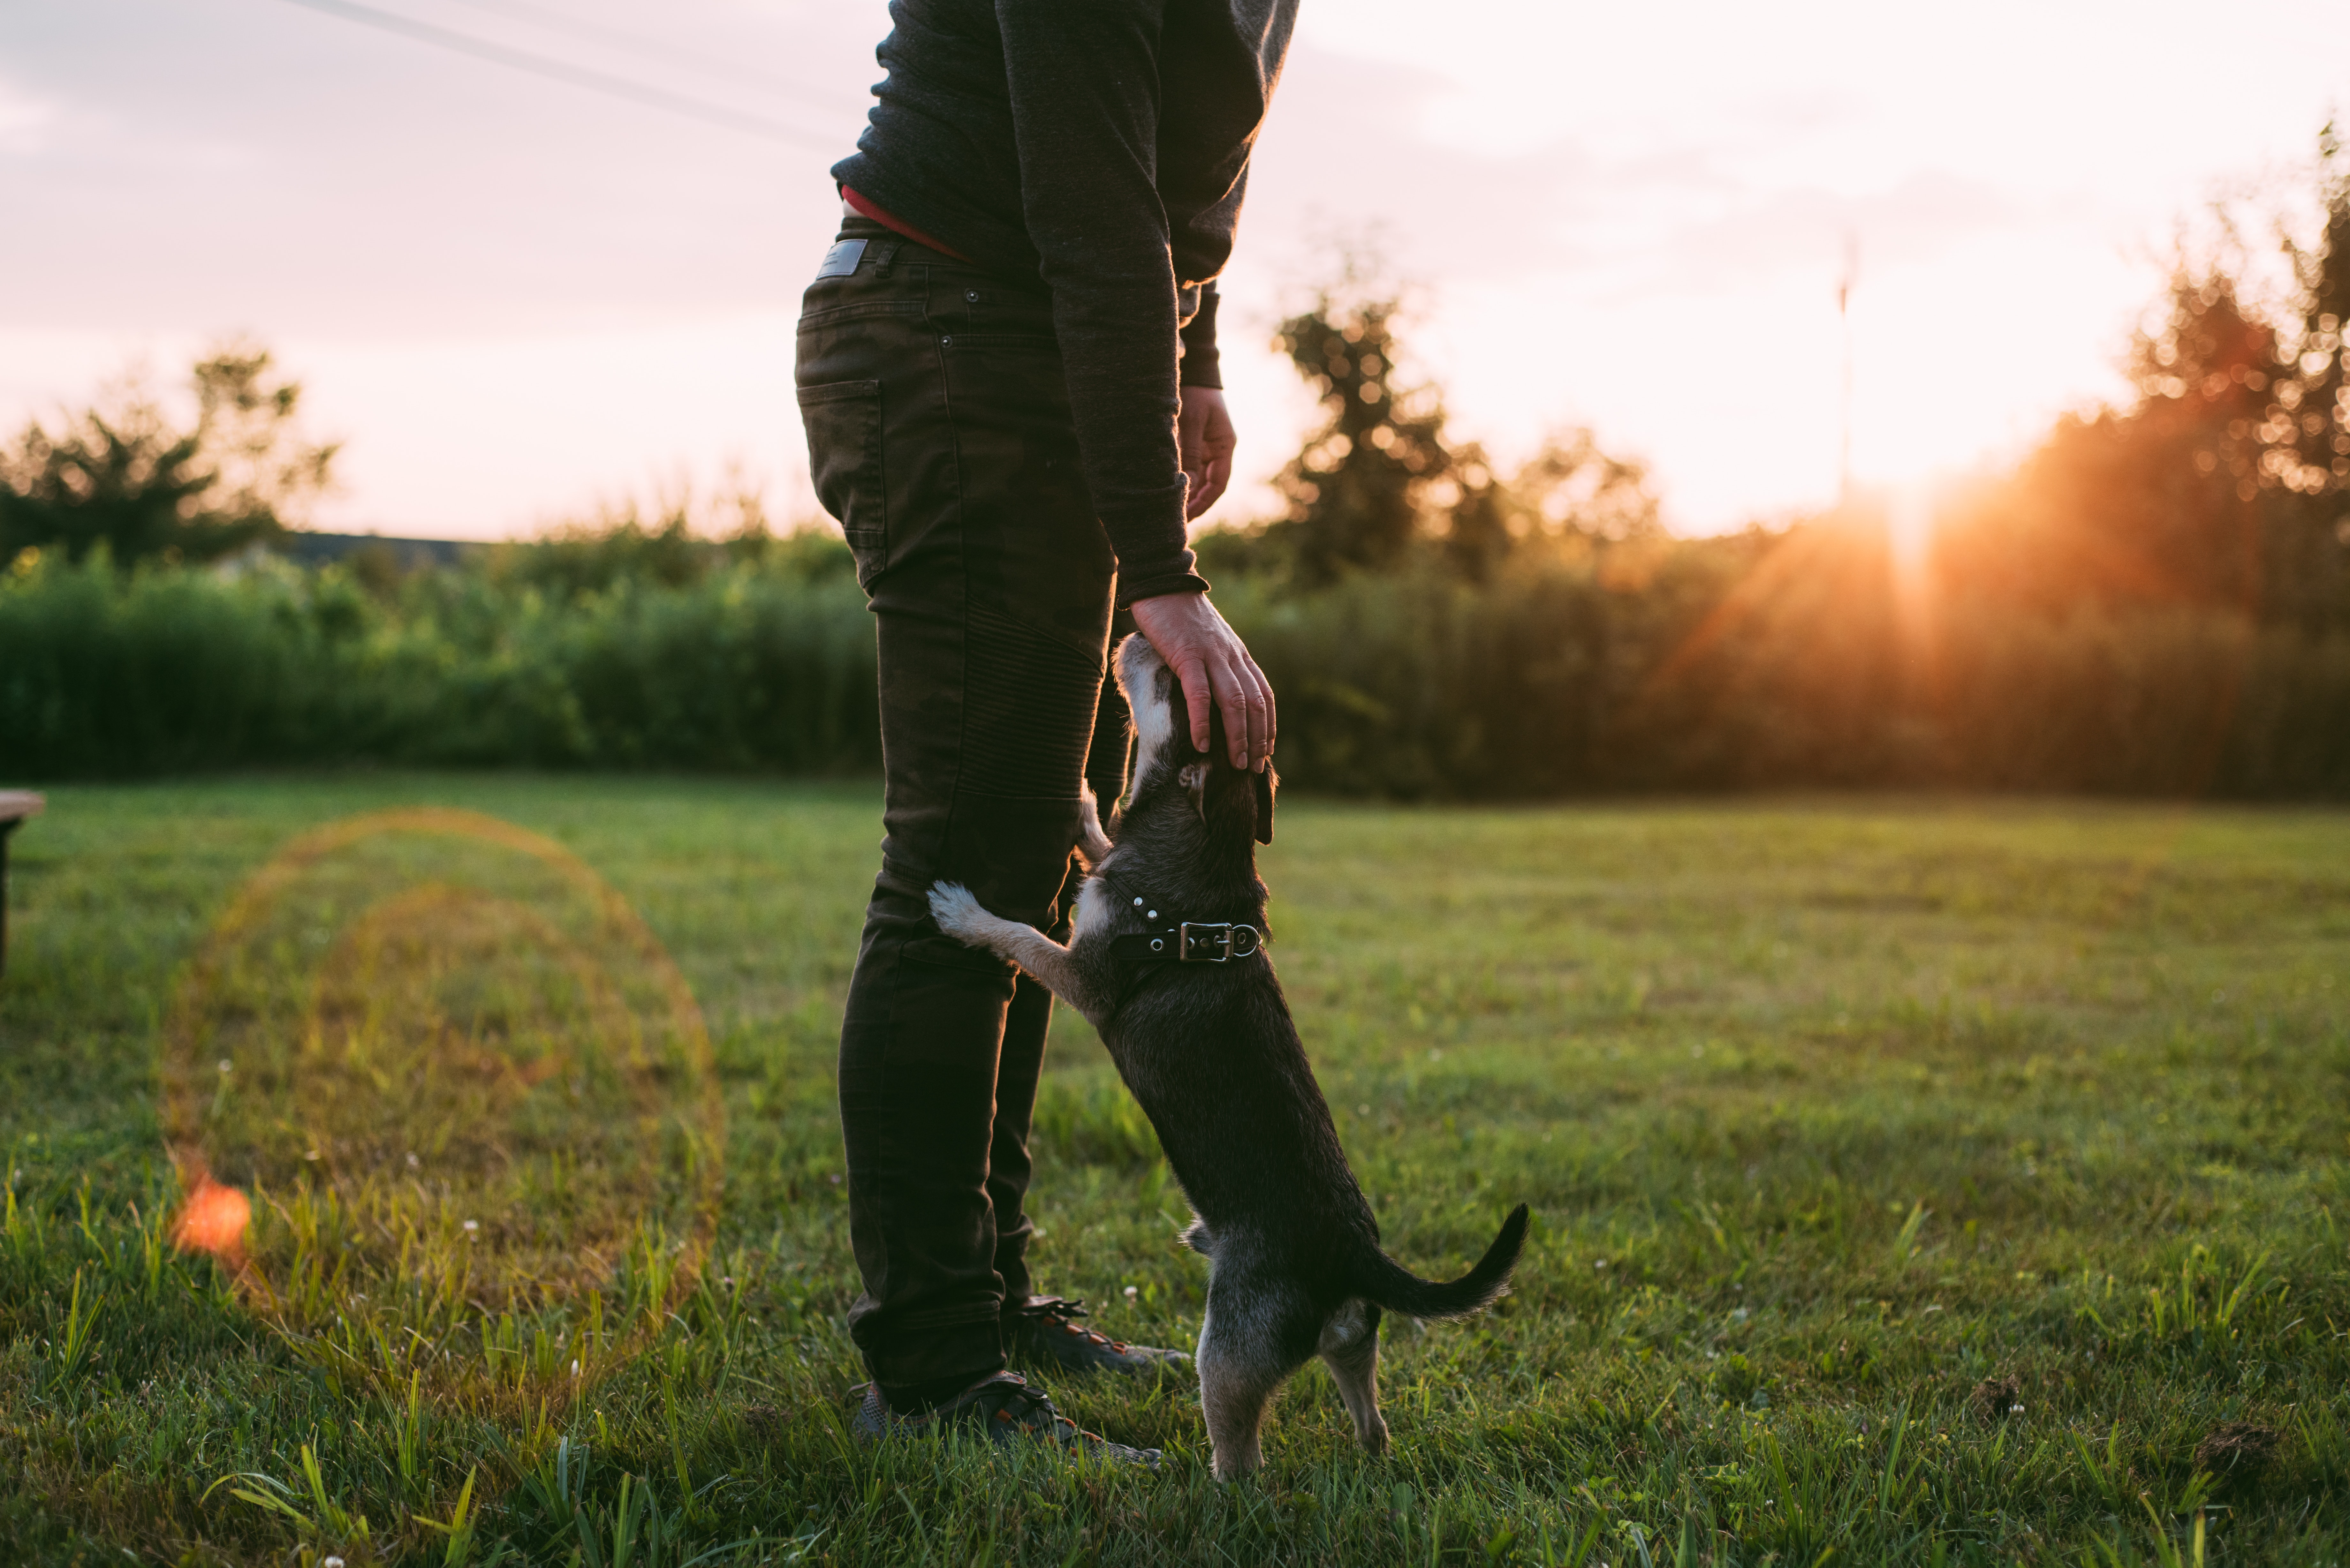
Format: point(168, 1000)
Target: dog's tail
point(1398, 1289)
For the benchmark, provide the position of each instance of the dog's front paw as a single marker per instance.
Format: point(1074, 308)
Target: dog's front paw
point(956, 911)
point(1092, 842)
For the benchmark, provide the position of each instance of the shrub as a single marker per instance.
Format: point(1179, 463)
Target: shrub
point(1759, 661)
point(106, 673)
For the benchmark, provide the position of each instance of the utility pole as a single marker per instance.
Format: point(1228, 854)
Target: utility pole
point(1843, 320)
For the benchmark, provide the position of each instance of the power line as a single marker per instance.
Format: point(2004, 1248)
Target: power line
point(574, 76)
point(555, 21)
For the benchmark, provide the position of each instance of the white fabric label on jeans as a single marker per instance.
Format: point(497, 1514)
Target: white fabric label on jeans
point(842, 259)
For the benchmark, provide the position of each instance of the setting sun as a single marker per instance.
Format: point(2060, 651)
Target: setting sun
point(1632, 219)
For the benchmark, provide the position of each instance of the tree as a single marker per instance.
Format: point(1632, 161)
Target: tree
point(122, 476)
point(1379, 476)
point(2307, 460)
point(1354, 491)
point(2227, 481)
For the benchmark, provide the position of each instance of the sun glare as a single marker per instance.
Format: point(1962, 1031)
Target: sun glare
point(1910, 533)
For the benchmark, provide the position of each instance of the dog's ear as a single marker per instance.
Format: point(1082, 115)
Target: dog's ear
point(1265, 782)
point(1193, 778)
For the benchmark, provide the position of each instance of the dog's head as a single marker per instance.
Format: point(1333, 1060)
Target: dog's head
point(1162, 737)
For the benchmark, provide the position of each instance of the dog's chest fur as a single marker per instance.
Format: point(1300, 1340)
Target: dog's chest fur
point(1210, 1050)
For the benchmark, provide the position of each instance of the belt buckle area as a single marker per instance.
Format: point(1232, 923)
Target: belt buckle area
point(1213, 945)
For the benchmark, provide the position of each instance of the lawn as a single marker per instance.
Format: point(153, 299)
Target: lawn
point(1915, 1181)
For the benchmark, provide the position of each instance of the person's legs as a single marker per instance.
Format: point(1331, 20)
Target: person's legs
point(1022, 1065)
point(938, 434)
point(1030, 1018)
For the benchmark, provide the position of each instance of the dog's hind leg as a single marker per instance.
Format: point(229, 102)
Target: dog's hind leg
point(1240, 1366)
point(1349, 1348)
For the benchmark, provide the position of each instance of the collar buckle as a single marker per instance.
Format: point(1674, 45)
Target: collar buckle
point(1215, 941)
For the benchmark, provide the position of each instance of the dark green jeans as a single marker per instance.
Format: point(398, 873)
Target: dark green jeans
point(938, 434)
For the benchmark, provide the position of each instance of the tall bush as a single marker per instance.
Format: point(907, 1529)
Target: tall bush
point(112, 673)
point(1760, 660)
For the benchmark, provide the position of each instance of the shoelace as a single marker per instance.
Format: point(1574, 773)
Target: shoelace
point(1055, 1312)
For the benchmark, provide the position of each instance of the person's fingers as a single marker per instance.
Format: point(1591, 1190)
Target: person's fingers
point(1253, 692)
point(1191, 442)
point(1205, 440)
point(1263, 747)
point(1271, 708)
point(1244, 709)
point(1199, 692)
point(1210, 472)
point(1232, 701)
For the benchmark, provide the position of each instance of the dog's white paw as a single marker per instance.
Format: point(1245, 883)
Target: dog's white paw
point(956, 911)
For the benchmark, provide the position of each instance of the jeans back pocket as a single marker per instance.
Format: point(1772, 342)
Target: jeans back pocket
point(843, 419)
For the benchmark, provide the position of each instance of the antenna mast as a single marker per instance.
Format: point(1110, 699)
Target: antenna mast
point(1843, 320)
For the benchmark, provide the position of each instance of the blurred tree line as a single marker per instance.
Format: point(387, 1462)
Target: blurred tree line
point(2226, 483)
point(2157, 600)
point(125, 478)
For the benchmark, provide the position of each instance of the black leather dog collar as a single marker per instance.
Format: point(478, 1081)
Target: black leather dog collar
point(1193, 942)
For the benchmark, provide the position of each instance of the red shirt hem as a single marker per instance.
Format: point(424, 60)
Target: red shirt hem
point(888, 222)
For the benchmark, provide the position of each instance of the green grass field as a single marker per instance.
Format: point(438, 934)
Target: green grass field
point(1914, 1182)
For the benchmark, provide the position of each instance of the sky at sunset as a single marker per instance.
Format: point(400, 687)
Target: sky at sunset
point(512, 297)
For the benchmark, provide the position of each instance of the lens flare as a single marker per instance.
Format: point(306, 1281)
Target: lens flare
point(213, 1221)
point(440, 1099)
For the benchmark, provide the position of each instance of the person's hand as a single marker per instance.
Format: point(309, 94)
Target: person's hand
point(1208, 656)
point(1204, 439)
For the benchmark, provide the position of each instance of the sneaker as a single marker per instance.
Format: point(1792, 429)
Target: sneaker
point(1044, 1330)
point(1004, 1408)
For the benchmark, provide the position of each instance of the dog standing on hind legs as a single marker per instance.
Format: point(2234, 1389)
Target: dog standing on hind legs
point(1166, 960)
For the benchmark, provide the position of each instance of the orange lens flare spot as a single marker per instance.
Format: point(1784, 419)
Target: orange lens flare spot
point(214, 1221)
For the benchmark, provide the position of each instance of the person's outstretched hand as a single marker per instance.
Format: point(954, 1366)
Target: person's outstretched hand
point(1208, 656)
point(1205, 439)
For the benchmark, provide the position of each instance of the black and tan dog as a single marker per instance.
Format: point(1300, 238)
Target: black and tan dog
point(1166, 960)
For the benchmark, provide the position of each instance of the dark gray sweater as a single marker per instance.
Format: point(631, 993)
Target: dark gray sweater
point(1101, 146)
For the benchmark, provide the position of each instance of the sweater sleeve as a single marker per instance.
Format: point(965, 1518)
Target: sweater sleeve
point(1202, 367)
point(1084, 80)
